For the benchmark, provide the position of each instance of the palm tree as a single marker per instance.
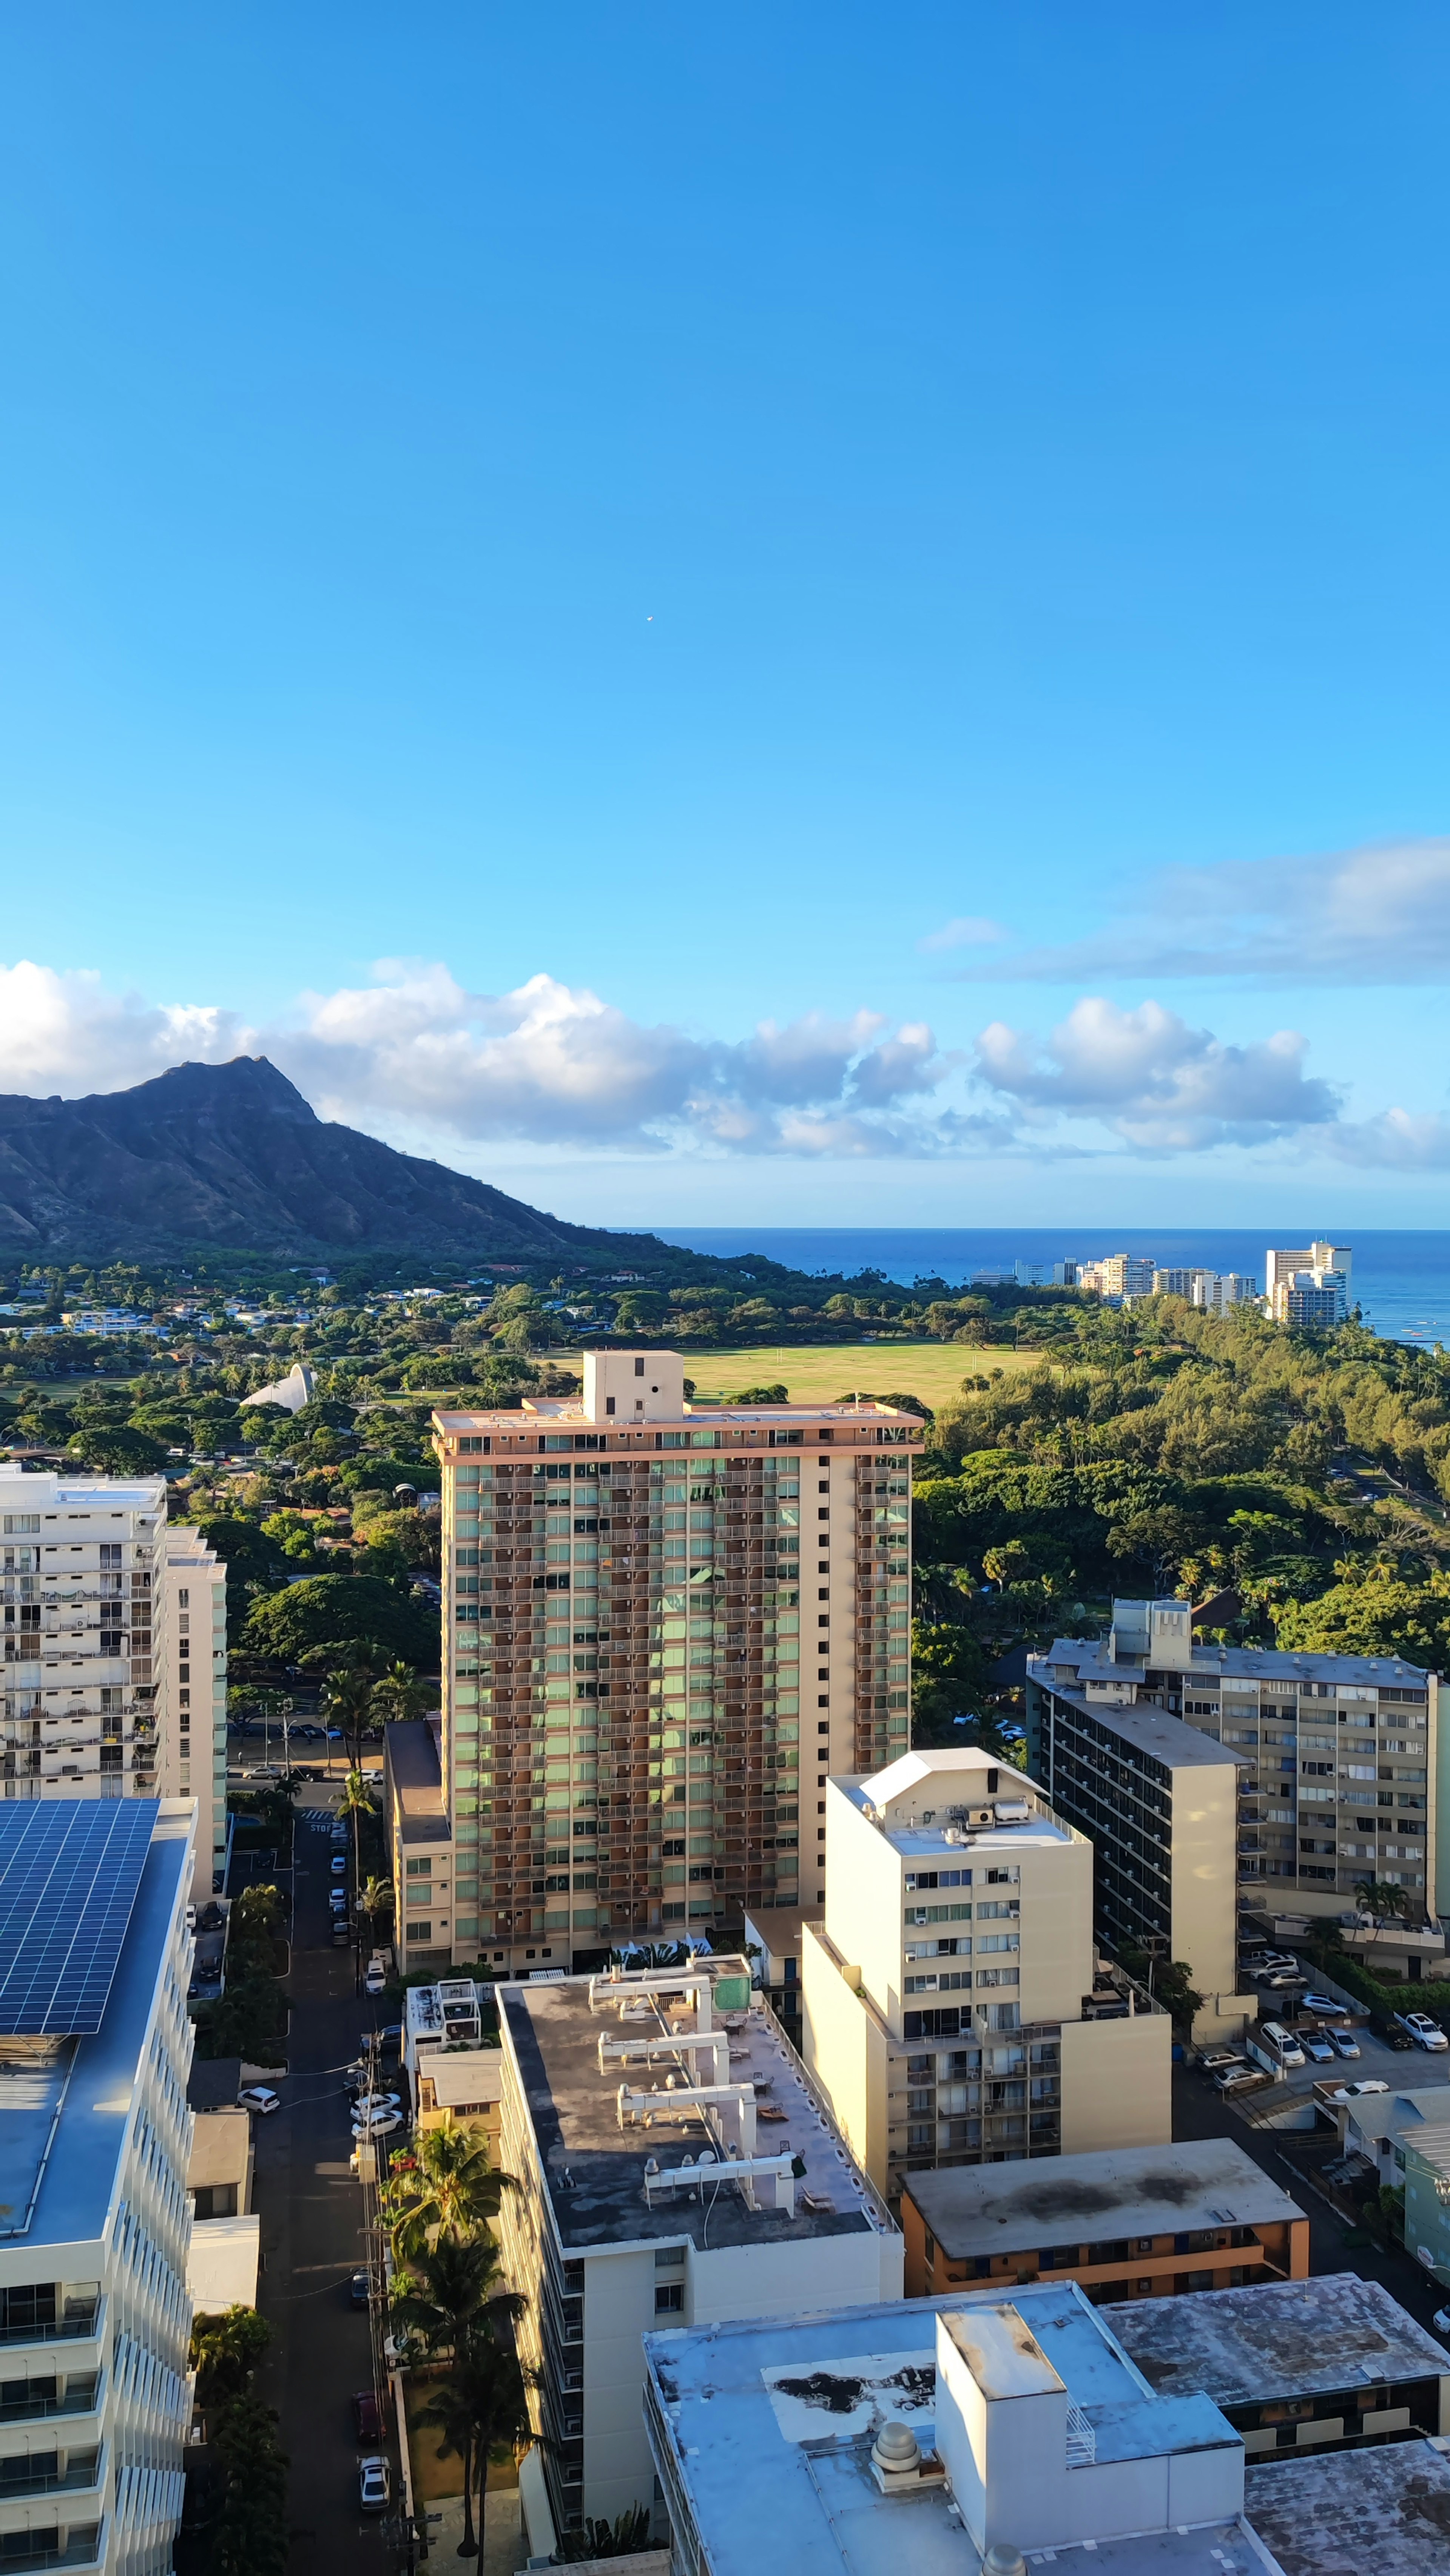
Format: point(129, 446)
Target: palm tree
point(451, 2192)
point(375, 1900)
point(1381, 1898)
point(448, 2297)
point(347, 1698)
point(402, 1694)
point(356, 1801)
point(480, 2405)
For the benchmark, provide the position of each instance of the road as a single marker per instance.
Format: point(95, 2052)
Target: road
point(311, 2213)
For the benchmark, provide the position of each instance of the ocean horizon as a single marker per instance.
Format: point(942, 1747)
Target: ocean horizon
point(1400, 1280)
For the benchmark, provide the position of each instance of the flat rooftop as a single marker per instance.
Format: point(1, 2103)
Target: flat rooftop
point(462, 2076)
point(569, 1410)
point(416, 1772)
point(1384, 2511)
point(928, 1804)
point(61, 2138)
point(595, 2169)
point(1233, 1663)
point(1120, 2191)
point(1281, 2339)
point(773, 2419)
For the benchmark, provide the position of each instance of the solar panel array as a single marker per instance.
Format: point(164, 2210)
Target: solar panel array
point(69, 1871)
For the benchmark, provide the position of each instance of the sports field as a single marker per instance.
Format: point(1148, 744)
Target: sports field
point(815, 1372)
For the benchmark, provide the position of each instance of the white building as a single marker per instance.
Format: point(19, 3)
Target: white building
point(82, 1569)
point(192, 1711)
point(951, 2009)
point(1281, 1264)
point(95, 2140)
point(654, 2123)
point(291, 1392)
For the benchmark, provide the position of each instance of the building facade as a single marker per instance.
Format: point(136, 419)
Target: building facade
point(674, 2164)
point(84, 1582)
point(1141, 2223)
point(951, 2007)
point(192, 1707)
point(1336, 1767)
point(95, 2314)
point(663, 1627)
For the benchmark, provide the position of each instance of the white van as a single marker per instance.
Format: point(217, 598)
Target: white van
point(1280, 2044)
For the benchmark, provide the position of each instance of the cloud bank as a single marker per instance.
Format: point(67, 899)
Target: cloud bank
point(417, 1056)
point(1378, 915)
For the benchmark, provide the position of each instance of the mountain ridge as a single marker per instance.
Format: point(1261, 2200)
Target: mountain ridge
point(233, 1156)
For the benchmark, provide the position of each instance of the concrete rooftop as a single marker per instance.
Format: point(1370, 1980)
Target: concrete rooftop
point(1234, 1663)
point(1356, 2513)
point(1278, 2339)
point(1121, 2191)
point(596, 2169)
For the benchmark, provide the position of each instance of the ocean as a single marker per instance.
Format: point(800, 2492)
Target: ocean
point(1401, 1281)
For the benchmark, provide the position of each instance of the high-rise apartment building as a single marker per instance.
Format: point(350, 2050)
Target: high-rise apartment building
point(1281, 1262)
point(665, 1625)
point(83, 1560)
point(192, 1729)
point(1316, 1297)
point(1212, 1290)
point(952, 2011)
point(1201, 1772)
point(95, 2315)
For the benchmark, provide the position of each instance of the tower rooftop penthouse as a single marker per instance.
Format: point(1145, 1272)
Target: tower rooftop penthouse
point(645, 1650)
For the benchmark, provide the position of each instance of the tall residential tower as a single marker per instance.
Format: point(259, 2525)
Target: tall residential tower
point(665, 1625)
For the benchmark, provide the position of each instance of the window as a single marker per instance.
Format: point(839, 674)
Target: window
point(639, 1368)
point(669, 2298)
point(420, 1869)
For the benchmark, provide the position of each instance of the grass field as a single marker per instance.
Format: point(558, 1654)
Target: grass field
point(815, 1372)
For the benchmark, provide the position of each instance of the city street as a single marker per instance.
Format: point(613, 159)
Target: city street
point(311, 2212)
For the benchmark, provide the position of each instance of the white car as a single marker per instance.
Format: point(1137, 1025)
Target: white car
point(378, 2124)
point(1423, 2031)
point(368, 2103)
point(337, 1899)
point(372, 2485)
point(339, 1864)
point(1441, 2321)
point(1364, 2084)
point(375, 1977)
point(258, 2097)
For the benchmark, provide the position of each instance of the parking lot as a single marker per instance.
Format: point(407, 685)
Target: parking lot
point(1380, 2060)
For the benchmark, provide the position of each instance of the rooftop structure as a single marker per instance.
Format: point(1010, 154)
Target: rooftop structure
point(953, 2011)
point(1325, 1780)
point(665, 1624)
point(1386, 2509)
point(1295, 2365)
point(926, 2434)
point(674, 2160)
point(82, 1701)
point(1199, 2215)
point(95, 2139)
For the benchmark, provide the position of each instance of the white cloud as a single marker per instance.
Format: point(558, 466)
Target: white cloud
point(1160, 1085)
point(65, 1033)
point(969, 930)
point(1395, 1141)
point(1378, 915)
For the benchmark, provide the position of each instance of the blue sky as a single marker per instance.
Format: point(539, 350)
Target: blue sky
point(768, 614)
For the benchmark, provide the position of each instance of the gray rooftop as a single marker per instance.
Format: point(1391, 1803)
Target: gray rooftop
point(1277, 2339)
point(596, 2169)
point(1170, 1740)
point(415, 1771)
point(1258, 1663)
point(1121, 2191)
point(1356, 2513)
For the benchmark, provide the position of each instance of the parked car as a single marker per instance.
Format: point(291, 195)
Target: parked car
point(1279, 2044)
point(337, 1898)
point(1315, 2045)
point(390, 2038)
point(259, 2098)
point(372, 2485)
point(1321, 2004)
point(339, 1863)
point(375, 1977)
point(1280, 1979)
point(1343, 2043)
point(377, 2124)
point(1214, 2060)
point(365, 2416)
point(210, 1919)
point(366, 2102)
point(1424, 2032)
point(1366, 2084)
point(358, 2289)
point(1234, 2078)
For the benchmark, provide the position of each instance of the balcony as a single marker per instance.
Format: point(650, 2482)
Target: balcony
point(78, 2318)
point(20, 2551)
point(36, 2473)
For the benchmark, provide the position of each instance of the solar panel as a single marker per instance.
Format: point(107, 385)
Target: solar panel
point(69, 1871)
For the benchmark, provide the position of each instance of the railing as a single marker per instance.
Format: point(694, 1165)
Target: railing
point(82, 2549)
point(81, 2471)
point(1082, 2441)
point(80, 2399)
point(54, 2329)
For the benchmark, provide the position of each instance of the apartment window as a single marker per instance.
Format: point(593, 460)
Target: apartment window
point(639, 1368)
point(420, 1869)
point(669, 2298)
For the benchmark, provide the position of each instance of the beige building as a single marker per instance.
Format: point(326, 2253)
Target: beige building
point(1209, 1773)
point(82, 1572)
point(192, 1736)
point(675, 2167)
point(665, 1625)
point(951, 2009)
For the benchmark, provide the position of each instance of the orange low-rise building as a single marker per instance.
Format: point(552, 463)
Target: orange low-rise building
point(1135, 2222)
